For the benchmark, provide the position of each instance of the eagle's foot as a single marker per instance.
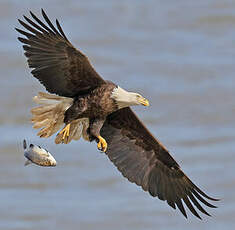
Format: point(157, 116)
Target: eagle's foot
point(65, 131)
point(102, 144)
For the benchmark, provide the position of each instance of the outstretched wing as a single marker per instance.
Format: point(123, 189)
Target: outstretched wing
point(60, 67)
point(144, 160)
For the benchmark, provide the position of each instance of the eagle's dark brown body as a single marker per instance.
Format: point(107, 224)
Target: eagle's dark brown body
point(96, 106)
point(83, 94)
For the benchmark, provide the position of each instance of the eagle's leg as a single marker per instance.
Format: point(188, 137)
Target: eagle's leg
point(94, 131)
point(72, 113)
point(65, 131)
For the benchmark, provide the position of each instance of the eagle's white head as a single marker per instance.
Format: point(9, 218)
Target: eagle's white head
point(124, 98)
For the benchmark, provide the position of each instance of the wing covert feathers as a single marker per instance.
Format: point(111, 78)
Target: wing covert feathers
point(144, 160)
point(60, 67)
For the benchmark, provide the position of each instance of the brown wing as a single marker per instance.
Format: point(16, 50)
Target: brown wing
point(144, 160)
point(60, 67)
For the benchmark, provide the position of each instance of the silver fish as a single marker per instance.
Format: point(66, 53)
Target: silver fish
point(37, 155)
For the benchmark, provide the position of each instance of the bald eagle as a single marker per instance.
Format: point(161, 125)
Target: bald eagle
point(99, 110)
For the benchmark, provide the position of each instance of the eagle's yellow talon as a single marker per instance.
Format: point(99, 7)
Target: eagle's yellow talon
point(102, 145)
point(65, 131)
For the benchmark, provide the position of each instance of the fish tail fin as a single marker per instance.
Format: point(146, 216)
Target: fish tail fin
point(49, 116)
point(24, 144)
point(77, 130)
point(27, 162)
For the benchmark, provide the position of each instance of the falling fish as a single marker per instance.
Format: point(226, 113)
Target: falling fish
point(37, 155)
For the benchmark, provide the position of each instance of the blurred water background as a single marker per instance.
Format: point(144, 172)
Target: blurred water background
point(180, 55)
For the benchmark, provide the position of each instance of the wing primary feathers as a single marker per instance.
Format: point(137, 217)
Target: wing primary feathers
point(191, 208)
point(61, 31)
point(204, 194)
point(41, 23)
point(181, 207)
point(23, 40)
point(35, 25)
point(171, 203)
point(203, 200)
point(49, 22)
point(188, 192)
point(28, 35)
point(192, 198)
point(29, 27)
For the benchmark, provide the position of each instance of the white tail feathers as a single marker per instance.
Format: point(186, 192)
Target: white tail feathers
point(50, 117)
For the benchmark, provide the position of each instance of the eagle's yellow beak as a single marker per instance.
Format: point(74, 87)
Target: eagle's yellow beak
point(143, 101)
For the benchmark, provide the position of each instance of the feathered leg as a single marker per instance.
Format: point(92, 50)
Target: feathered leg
point(94, 130)
point(73, 118)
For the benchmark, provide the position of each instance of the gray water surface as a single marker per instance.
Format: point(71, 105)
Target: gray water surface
point(178, 54)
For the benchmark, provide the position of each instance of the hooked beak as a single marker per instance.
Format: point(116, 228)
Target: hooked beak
point(143, 101)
